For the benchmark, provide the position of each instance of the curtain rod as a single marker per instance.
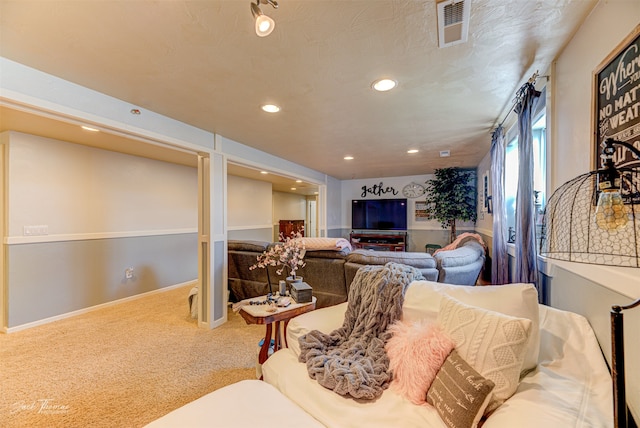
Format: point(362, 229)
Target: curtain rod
point(520, 94)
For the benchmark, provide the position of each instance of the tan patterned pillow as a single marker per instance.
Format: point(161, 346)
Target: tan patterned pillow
point(459, 393)
point(492, 343)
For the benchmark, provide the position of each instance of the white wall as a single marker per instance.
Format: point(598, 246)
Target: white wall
point(4, 139)
point(288, 206)
point(77, 191)
point(249, 203)
point(609, 23)
point(484, 224)
point(42, 92)
point(353, 189)
point(254, 209)
point(245, 155)
point(27, 86)
point(419, 233)
point(334, 207)
point(591, 290)
point(105, 212)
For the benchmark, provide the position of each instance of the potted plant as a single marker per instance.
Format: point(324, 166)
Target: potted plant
point(288, 255)
point(452, 196)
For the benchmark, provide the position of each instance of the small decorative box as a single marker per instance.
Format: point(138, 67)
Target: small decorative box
point(301, 292)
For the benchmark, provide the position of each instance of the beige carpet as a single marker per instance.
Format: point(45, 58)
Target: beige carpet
point(121, 366)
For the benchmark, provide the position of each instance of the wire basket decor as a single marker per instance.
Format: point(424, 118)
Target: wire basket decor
point(572, 230)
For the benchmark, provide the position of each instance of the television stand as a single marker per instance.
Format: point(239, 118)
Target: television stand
point(379, 241)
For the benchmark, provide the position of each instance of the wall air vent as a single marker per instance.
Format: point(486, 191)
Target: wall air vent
point(453, 22)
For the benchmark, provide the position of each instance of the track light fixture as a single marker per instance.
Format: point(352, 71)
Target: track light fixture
point(264, 23)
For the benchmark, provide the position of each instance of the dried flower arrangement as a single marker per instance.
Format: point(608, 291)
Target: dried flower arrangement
point(288, 255)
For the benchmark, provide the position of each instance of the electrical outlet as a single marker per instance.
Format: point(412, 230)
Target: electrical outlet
point(128, 273)
point(38, 230)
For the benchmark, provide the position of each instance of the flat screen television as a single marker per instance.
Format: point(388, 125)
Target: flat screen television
point(379, 214)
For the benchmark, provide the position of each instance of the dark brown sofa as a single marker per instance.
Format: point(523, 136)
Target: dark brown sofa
point(324, 272)
point(329, 273)
point(243, 282)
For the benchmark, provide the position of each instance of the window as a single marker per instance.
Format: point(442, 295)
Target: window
point(539, 129)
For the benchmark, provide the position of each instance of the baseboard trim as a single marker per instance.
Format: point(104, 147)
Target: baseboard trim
point(93, 308)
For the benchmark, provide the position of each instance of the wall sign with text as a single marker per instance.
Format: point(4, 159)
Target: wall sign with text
point(617, 101)
point(377, 190)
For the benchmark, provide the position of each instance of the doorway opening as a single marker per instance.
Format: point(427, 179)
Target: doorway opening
point(34, 122)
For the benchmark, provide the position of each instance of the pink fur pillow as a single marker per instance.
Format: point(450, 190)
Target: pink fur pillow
point(416, 352)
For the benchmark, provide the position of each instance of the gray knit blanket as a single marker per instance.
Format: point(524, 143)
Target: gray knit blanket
point(352, 360)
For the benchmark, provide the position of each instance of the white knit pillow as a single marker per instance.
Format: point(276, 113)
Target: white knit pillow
point(422, 302)
point(492, 343)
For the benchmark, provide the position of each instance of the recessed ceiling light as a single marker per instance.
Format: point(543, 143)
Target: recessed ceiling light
point(384, 85)
point(271, 108)
point(298, 181)
point(88, 128)
point(293, 188)
point(348, 158)
point(264, 172)
point(412, 151)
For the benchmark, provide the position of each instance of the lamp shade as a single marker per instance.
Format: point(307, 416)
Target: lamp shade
point(572, 231)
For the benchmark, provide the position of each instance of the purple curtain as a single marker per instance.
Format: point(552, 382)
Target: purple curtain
point(499, 257)
point(526, 254)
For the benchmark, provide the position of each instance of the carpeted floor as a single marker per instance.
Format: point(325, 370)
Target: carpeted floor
point(121, 366)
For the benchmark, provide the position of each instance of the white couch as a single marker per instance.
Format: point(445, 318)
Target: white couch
point(569, 387)
point(567, 383)
point(245, 404)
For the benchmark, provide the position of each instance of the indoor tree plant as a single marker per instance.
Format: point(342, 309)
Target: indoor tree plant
point(451, 195)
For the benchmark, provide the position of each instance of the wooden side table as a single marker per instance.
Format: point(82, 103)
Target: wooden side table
point(257, 314)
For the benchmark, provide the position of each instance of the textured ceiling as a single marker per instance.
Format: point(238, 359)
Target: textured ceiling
point(200, 62)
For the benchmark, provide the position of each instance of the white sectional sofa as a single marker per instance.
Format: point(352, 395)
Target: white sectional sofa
point(563, 380)
point(245, 404)
point(569, 386)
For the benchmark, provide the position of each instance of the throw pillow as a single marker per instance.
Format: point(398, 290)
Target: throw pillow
point(422, 301)
point(492, 343)
point(416, 353)
point(459, 393)
point(335, 244)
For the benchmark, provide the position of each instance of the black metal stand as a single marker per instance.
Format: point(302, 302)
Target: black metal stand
point(620, 411)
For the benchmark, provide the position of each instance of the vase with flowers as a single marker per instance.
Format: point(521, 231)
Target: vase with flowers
point(287, 255)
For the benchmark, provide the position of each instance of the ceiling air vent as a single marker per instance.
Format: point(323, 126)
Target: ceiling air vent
point(453, 22)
